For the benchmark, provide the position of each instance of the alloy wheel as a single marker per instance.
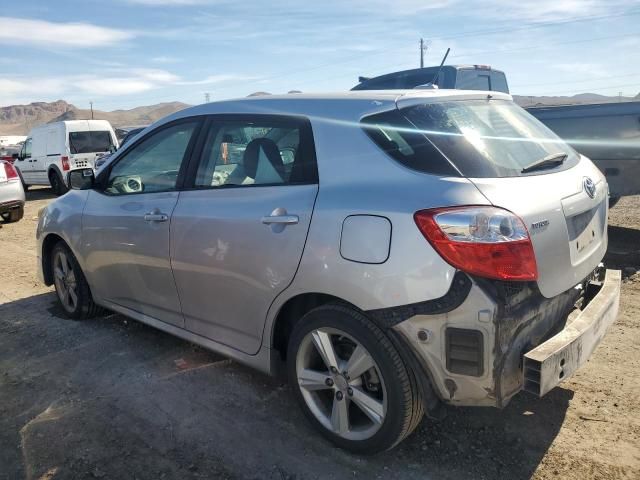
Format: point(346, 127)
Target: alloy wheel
point(65, 281)
point(341, 384)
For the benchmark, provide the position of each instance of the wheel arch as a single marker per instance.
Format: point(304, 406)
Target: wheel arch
point(50, 241)
point(292, 311)
point(54, 168)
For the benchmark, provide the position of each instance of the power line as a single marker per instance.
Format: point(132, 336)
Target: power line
point(539, 25)
point(406, 65)
point(467, 34)
point(550, 47)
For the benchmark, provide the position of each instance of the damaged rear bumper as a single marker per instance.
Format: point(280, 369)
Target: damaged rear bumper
point(499, 338)
point(559, 357)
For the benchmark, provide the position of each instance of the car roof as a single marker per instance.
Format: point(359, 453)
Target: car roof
point(352, 104)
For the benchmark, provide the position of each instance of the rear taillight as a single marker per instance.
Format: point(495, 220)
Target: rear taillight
point(10, 170)
point(65, 163)
point(484, 241)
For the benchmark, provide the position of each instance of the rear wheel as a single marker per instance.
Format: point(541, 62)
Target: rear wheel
point(57, 184)
point(71, 286)
point(13, 215)
point(350, 381)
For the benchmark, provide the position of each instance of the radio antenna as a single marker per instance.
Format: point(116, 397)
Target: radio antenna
point(435, 77)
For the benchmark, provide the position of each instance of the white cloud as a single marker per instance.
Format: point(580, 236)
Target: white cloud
point(404, 7)
point(165, 59)
point(214, 79)
point(114, 86)
point(114, 83)
point(551, 10)
point(155, 75)
point(583, 69)
point(48, 34)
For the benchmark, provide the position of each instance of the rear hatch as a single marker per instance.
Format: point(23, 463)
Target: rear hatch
point(88, 145)
point(520, 165)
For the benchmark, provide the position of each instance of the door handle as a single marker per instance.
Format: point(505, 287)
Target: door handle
point(280, 219)
point(156, 216)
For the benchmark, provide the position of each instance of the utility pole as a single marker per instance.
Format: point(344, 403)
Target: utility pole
point(91, 104)
point(619, 97)
point(424, 46)
point(207, 97)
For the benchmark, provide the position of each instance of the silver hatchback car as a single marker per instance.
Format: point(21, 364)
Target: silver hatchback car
point(395, 250)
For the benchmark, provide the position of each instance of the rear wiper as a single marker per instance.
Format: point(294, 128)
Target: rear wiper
point(549, 161)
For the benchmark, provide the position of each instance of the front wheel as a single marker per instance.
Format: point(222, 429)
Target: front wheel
point(350, 380)
point(71, 286)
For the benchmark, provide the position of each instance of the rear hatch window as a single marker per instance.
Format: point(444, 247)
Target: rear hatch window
point(90, 142)
point(480, 138)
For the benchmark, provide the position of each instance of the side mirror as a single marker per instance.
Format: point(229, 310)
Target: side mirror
point(81, 179)
point(15, 156)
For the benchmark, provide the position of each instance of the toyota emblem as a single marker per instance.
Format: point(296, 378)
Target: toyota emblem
point(589, 187)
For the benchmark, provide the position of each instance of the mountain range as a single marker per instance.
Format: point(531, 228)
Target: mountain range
point(19, 119)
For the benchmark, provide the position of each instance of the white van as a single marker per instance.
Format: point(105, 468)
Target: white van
point(51, 150)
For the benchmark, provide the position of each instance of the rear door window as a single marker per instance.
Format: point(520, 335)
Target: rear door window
point(258, 151)
point(90, 141)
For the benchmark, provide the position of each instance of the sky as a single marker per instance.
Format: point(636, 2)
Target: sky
point(120, 54)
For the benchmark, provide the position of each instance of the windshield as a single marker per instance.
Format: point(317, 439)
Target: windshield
point(481, 138)
point(90, 142)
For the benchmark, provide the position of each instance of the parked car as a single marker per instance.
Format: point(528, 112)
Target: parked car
point(11, 193)
point(8, 153)
point(51, 150)
point(395, 250)
point(460, 77)
point(608, 133)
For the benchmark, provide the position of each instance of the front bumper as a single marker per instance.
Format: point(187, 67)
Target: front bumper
point(559, 357)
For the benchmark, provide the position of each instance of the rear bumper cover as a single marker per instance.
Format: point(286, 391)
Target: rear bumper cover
point(560, 356)
point(520, 330)
point(12, 205)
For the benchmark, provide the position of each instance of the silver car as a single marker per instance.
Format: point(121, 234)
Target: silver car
point(395, 251)
point(11, 193)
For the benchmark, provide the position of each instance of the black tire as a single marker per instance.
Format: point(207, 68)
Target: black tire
point(25, 187)
point(85, 307)
point(404, 403)
point(13, 215)
point(57, 183)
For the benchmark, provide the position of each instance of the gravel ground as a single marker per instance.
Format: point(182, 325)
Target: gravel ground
point(111, 398)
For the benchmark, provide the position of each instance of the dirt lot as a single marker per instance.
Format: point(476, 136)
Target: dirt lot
point(111, 398)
